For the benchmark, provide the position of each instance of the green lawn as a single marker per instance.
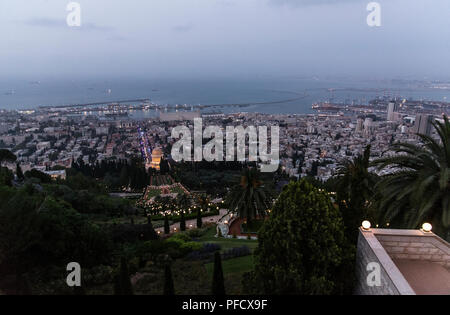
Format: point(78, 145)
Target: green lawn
point(235, 266)
point(153, 193)
point(226, 243)
point(177, 190)
point(233, 270)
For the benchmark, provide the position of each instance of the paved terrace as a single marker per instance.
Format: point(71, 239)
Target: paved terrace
point(413, 262)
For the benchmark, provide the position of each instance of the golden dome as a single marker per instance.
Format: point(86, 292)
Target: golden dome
point(157, 152)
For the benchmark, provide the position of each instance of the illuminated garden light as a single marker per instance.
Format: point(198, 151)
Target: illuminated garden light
point(427, 227)
point(366, 225)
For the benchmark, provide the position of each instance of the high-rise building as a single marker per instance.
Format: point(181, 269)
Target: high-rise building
point(368, 126)
point(311, 128)
point(392, 109)
point(359, 125)
point(422, 125)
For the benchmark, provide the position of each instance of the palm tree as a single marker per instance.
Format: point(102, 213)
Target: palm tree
point(183, 201)
point(203, 202)
point(355, 186)
point(250, 198)
point(418, 189)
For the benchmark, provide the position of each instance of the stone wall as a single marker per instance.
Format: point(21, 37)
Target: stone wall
point(364, 256)
point(384, 246)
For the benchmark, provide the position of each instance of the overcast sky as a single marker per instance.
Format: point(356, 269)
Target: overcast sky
point(206, 38)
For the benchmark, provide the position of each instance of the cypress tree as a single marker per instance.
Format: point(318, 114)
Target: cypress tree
point(151, 233)
point(124, 177)
point(199, 219)
point(122, 285)
point(166, 225)
point(182, 222)
point(19, 172)
point(117, 285)
point(295, 227)
point(168, 281)
point(218, 285)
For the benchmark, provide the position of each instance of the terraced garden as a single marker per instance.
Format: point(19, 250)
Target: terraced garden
point(161, 180)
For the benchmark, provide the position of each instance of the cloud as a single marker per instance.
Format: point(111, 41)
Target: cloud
point(46, 22)
point(303, 3)
point(117, 38)
point(95, 27)
point(182, 28)
point(61, 23)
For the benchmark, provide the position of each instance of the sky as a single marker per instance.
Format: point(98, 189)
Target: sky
point(224, 38)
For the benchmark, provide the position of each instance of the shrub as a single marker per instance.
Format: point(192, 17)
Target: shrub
point(196, 233)
point(301, 247)
point(182, 236)
point(133, 232)
point(191, 246)
point(210, 247)
point(98, 275)
point(175, 242)
point(205, 253)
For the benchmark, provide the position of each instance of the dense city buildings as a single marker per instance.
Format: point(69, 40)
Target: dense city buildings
point(392, 109)
point(310, 144)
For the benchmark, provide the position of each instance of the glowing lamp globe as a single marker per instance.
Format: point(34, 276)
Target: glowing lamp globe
point(426, 227)
point(366, 225)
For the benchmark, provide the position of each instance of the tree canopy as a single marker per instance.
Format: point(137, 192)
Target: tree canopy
point(418, 189)
point(6, 156)
point(302, 248)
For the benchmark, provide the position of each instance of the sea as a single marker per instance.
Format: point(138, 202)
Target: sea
point(287, 95)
